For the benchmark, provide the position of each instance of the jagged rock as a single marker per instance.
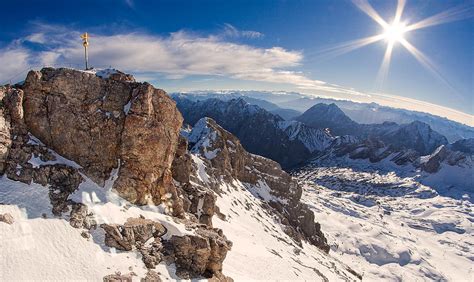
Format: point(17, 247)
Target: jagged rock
point(152, 255)
point(196, 200)
point(124, 237)
point(102, 123)
point(7, 218)
point(228, 160)
point(80, 217)
point(151, 276)
point(11, 121)
point(198, 255)
point(118, 277)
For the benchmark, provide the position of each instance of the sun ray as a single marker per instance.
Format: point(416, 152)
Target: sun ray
point(345, 47)
point(365, 7)
point(399, 11)
point(426, 62)
point(384, 67)
point(453, 14)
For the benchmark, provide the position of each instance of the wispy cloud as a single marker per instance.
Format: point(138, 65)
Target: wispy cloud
point(232, 31)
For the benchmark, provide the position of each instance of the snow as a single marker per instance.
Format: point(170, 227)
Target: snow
point(43, 247)
point(201, 169)
point(127, 107)
point(105, 73)
point(261, 250)
point(48, 248)
point(36, 161)
point(390, 227)
point(313, 139)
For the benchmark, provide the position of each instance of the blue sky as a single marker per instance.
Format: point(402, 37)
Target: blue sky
point(258, 45)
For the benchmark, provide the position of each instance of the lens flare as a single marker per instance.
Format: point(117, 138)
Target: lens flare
point(394, 32)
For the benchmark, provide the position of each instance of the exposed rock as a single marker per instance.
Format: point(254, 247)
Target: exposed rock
point(199, 201)
point(80, 217)
point(124, 237)
point(198, 255)
point(118, 277)
point(227, 160)
point(151, 276)
point(102, 123)
point(7, 218)
point(152, 255)
point(11, 121)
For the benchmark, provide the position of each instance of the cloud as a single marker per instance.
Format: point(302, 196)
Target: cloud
point(176, 56)
point(232, 31)
point(15, 61)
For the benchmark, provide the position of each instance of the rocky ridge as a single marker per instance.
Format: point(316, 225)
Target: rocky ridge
point(216, 156)
point(63, 128)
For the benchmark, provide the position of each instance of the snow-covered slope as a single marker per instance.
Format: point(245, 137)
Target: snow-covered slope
point(392, 228)
point(39, 246)
point(313, 139)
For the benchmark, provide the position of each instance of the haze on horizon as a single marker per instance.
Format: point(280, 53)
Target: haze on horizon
point(415, 55)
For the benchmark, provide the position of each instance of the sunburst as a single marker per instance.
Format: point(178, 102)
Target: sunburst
point(394, 33)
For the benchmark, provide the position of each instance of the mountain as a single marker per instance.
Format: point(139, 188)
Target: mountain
point(97, 176)
point(363, 113)
point(328, 116)
point(416, 135)
point(286, 114)
point(256, 128)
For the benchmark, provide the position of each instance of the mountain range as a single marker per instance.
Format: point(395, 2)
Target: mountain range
point(291, 104)
point(106, 178)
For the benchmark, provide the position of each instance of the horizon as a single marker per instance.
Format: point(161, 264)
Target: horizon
point(232, 50)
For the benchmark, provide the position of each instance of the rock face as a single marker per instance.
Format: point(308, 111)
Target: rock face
point(105, 124)
point(226, 160)
point(199, 255)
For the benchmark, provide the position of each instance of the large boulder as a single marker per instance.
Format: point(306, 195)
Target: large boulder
point(199, 255)
point(105, 124)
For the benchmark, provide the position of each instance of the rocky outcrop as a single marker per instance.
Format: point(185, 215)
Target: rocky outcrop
point(199, 255)
point(432, 163)
point(134, 230)
point(198, 200)
point(6, 218)
point(11, 121)
point(226, 160)
point(107, 123)
point(118, 277)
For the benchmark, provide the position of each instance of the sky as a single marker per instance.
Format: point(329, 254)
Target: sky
point(302, 46)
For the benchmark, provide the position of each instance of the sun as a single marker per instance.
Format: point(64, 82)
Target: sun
point(394, 32)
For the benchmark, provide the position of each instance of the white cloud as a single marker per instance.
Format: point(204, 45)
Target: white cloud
point(14, 63)
point(179, 55)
